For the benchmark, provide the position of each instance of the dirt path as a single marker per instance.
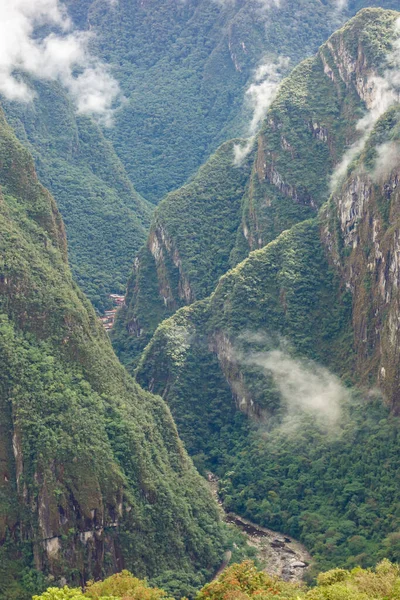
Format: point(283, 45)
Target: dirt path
point(281, 555)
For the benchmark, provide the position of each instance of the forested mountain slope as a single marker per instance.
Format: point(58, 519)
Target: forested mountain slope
point(188, 249)
point(241, 369)
point(106, 219)
point(184, 68)
point(285, 180)
point(93, 474)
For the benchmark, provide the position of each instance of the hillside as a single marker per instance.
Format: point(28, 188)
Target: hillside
point(261, 317)
point(94, 475)
point(308, 128)
point(282, 381)
point(188, 249)
point(184, 68)
point(106, 220)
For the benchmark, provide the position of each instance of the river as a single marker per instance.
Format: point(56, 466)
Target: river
point(281, 555)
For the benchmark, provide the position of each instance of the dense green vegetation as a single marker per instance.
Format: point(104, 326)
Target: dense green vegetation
point(318, 486)
point(286, 289)
point(214, 221)
point(244, 582)
point(94, 475)
point(297, 475)
point(196, 229)
point(106, 220)
point(184, 67)
point(281, 466)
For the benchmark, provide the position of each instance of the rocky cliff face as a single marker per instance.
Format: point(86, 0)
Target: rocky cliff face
point(364, 248)
point(308, 127)
point(88, 461)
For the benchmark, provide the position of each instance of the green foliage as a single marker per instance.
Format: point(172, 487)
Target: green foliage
point(245, 582)
point(105, 218)
point(93, 470)
point(319, 487)
point(64, 593)
point(295, 478)
point(123, 585)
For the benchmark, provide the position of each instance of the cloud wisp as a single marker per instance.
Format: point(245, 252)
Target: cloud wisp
point(305, 387)
point(263, 4)
point(388, 158)
point(259, 97)
point(62, 55)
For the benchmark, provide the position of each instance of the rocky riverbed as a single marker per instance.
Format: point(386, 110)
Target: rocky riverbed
point(281, 555)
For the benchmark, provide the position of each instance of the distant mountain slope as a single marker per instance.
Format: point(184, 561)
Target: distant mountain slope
point(105, 218)
point(305, 134)
point(94, 477)
point(184, 68)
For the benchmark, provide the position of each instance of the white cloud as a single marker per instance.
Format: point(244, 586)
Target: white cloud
point(242, 150)
point(341, 4)
point(264, 4)
point(262, 92)
point(305, 386)
point(388, 159)
point(62, 55)
point(259, 97)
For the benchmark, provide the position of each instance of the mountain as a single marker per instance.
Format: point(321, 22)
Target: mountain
point(285, 378)
point(184, 68)
point(94, 477)
point(307, 130)
point(188, 249)
point(105, 218)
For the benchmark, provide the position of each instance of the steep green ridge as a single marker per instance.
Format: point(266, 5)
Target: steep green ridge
point(285, 289)
point(188, 249)
point(184, 67)
point(93, 474)
point(304, 136)
point(106, 219)
point(286, 439)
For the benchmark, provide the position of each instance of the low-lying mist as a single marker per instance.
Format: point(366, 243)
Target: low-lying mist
point(305, 387)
